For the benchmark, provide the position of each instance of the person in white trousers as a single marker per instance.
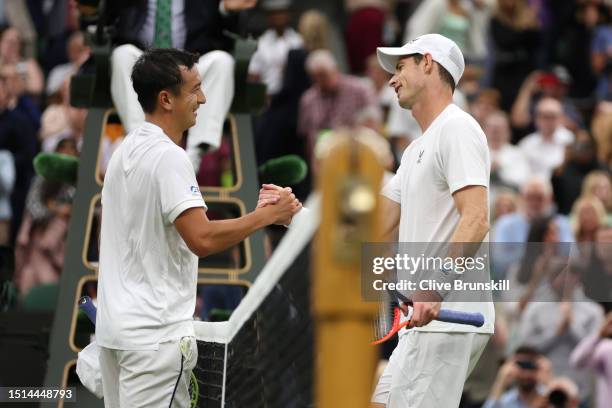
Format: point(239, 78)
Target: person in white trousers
point(196, 27)
point(217, 71)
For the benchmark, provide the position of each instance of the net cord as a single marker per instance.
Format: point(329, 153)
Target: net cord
point(302, 229)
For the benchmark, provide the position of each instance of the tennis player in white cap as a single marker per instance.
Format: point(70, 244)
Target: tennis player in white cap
point(439, 194)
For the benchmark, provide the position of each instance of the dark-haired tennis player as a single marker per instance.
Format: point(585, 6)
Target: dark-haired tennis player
point(439, 194)
point(154, 227)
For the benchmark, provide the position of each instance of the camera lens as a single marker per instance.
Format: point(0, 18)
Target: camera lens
point(557, 398)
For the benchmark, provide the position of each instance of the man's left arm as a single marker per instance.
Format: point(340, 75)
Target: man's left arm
point(471, 202)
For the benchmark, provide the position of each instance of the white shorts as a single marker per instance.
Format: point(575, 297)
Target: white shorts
point(149, 378)
point(429, 369)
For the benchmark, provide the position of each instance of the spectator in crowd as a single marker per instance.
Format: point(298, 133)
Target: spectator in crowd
point(18, 100)
point(520, 381)
point(62, 120)
point(7, 181)
point(11, 53)
point(333, 99)
point(594, 353)
point(364, 31)
point(580, 160)
point(543, 257)
point(379, 78)
point(536, 201)
point(276, 130)
point(56, 20)
point(464, 22)
point(509, 166)
point(593, 262)
point(113, 135)
point(18, 137)
point(601, 126)
point(16, 14)
point(268, 62)
point(601, 60)
point(314, 29)
point(39, 251)
point(545, 84)
point(574, 38)
point(402, 128)
point(515, 37)
point(603, 242)
point(216, 169)
point(545, 148)
point(588, 219)
point(55, 116)
point(505, 202)
point(588, 216)
point(78, 52)
point(485, 103)
point(598, 184)
point(191, 25)
point(471, 82)
point(561, 393)
point(556, 327)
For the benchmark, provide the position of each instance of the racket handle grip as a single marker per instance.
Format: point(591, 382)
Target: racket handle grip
point(454, 316)
point(87, 306)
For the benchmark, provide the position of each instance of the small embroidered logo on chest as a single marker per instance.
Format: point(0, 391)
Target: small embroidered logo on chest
point(420, 156)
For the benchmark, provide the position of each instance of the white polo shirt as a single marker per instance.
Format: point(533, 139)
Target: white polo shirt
point(147, 276)
point(271, 57)
point(543, 155)
point(451, 154)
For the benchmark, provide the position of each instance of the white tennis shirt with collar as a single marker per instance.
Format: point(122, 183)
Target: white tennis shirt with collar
point(147, 275)
point(451, 154)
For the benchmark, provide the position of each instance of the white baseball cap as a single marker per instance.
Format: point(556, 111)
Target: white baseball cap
point(443, 50)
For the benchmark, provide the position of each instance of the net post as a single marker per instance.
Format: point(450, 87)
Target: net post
point(349, 182)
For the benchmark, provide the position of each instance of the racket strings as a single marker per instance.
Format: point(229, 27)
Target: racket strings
point(387, 321)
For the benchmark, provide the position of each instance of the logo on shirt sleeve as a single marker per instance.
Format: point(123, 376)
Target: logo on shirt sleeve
point(195, 190)
point(420, 156)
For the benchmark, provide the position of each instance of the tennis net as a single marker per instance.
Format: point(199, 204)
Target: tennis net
point(263, 356)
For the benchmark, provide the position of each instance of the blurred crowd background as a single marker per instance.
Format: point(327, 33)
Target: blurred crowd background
point(538, 79)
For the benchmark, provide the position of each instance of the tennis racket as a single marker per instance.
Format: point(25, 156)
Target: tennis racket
point(388, 322)
point(88, 307)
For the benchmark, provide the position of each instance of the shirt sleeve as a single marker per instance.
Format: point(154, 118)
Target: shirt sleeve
point(464, 155)
point(178, 188)
point(584, 355)
point(565, 229)
point(393, 189)
point(256, 64)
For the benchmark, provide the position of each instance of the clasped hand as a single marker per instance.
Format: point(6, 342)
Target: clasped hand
point(282, 200)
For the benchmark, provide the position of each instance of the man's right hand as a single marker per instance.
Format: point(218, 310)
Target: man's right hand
point(425, 307)
point(269, 194)
point(505, 377)
point(283, 209)
point(508, 373)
